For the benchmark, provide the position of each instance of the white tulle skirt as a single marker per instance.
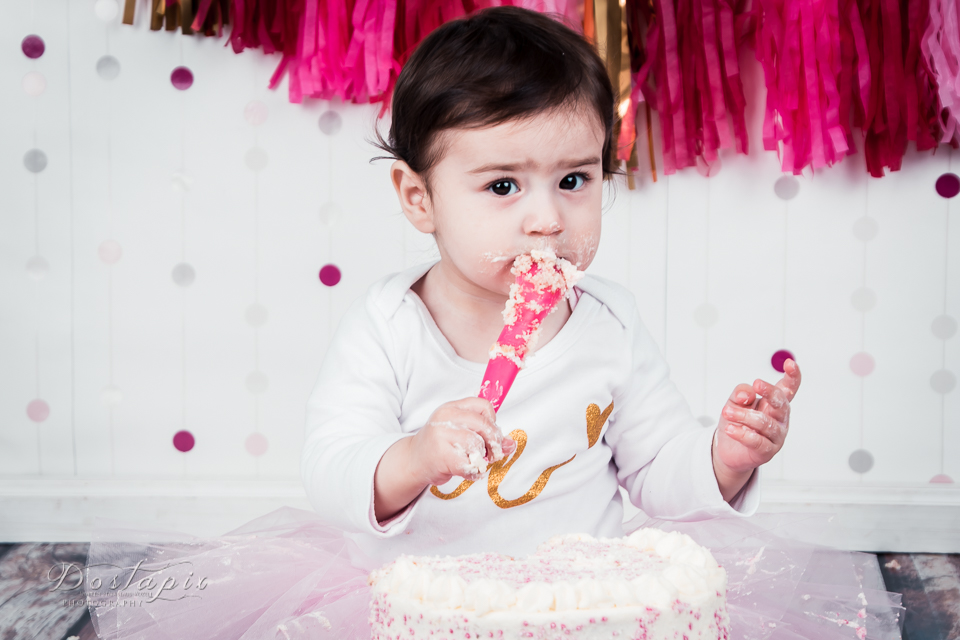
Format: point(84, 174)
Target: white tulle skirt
point(286, 575)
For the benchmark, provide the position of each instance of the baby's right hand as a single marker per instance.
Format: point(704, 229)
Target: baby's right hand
point(460, 439)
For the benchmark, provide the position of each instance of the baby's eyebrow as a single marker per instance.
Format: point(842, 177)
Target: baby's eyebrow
point(564, 164)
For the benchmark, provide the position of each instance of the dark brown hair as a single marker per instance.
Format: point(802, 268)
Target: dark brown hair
point(499, 64)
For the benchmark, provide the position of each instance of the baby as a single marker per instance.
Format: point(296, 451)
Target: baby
point(502, 132)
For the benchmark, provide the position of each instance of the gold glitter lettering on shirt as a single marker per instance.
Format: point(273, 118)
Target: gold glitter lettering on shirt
point(498, 470)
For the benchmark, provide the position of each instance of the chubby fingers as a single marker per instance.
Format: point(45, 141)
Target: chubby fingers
point(760, 423)
point(790, 381)
point(479, 416)
point(743, 396)
point(774, 399)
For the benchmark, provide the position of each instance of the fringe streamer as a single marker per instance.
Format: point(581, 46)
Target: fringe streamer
point(799, 44)
point(940, 47)
point(691, 55)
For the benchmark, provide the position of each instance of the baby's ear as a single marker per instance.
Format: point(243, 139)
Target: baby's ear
point(412, 192)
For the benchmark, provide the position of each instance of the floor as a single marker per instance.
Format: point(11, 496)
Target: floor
point(32, 608)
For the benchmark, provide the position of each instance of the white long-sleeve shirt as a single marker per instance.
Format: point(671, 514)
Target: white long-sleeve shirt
point(389, 367)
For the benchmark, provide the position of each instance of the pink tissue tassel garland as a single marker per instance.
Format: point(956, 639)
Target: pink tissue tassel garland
point(691, 54)
point(940, 47)
point(354, 49)
point(902, 101)
point(798, 43)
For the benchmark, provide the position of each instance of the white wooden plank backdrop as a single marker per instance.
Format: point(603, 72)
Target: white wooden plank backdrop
point(141, 177)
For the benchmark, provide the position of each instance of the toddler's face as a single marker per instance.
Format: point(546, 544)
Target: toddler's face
point(528, 184)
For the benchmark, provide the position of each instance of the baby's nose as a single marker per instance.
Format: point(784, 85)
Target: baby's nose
point(543, 219)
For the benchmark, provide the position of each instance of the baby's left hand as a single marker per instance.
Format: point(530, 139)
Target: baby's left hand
point(752, 431)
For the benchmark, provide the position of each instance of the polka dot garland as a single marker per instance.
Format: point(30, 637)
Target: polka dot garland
point(256, 444)
point(33, 46)
point(38, 410)
point(861, 461)
point(948, 185)
point(329, 275)
point(181, 78)
point(183, 441)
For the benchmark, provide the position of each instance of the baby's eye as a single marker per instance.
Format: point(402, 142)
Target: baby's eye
point(574, 181)
point(504, 187)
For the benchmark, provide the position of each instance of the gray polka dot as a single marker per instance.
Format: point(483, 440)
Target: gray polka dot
point(861, 461)
point(257, 382)
point(786, 187)
point(944, 327)
point(111, 396)
point(257, 315)
point(943, 381)
point(108, 67)
point(706, 315)
point(707, 421)
point(866, 229)
point(863, 299)
point(330, 122)
point(35, 160)
point(37, 267)
point(183, 275)
point(256, 159)
point(330, 214)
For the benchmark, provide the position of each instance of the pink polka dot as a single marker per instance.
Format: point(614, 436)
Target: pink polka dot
point(862, 364)
point(110, 251)
point(38, 410)
point(941, 478)
point(256, 444)
point(779, 358)
point(329, 275)
point(33, 46)
point(948, 185)
point(183, 440)
point(182, 78)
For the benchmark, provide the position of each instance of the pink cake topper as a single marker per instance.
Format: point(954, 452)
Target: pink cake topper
point(543, 280)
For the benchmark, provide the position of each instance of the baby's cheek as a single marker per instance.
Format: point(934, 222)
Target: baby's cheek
point(584, 248)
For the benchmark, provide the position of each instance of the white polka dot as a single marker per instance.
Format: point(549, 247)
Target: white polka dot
point(257, 315)
point(257, 382)
point(34, 84)
point(330, 122)
point(106, 10)
point(861, 461)
point(108, 67)
point(330, 214)
point(37, 267)
point(181, 182)
point(256, 159)
point(706, 315)
point(944, 327)
point(109, 252)
point(786, 187)
point(255, 113)
point(111, 396)
point(943, 381)
point(183, 275)
point(865, 229)
point(863, 299)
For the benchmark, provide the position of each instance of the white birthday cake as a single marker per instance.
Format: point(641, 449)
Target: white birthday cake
point(650, 585)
